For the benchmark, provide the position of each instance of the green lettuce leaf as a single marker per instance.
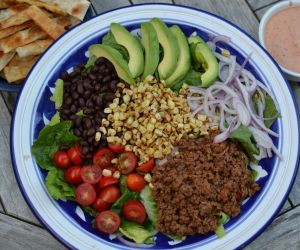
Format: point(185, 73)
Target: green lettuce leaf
point(220, 231)
point(176, 237)
point(57, 96)
point(90, 63)
point(149, 204)
point(49, 141)
point(55, 119)
point(244, 136)
point(135, 232)
point(270, 111)
point(126, 195)
point(92, 212)
point(57, 186)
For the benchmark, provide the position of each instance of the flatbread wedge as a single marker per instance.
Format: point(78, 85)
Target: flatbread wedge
point(19, 69)
point(53, 29)
point(5, 58)
point(13, 29)
point(22, 38)
point(15, 9)
point(35, 48)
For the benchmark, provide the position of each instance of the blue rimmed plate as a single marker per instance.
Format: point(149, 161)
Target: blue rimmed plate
point(11, 87)
point(65, 220)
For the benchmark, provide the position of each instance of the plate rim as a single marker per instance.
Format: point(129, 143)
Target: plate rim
point(296, 168)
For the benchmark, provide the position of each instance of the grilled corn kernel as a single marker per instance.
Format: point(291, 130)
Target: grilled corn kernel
point(117, 175)
point(106, 172)
point(97, 136)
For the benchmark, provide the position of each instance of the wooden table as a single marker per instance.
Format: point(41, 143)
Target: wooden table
point(19, 229)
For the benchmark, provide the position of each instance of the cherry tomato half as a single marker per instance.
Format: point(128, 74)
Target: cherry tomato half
point(135, 182)
point(116, 148)
point(91, 174)
point(110, 194)
point(146, 167)
point(108, 222)
point(134, 210)
point(73, 176)
point(61, 159)
point(107, 181)
point(74, 155)
point(103, 157)
point(85, 194)
point(100, 205)
point(127, 162)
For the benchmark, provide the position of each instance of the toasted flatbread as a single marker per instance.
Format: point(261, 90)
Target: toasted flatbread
point(18, 68)
point(4, 5)
point(15, 9)
point(53, 29)
point(76, 8)
point(13, 29)
point(22, 38)
point(52, 8)
point(5, 58)
point(35, 48)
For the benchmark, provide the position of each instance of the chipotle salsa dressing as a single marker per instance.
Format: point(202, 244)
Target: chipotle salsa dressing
point(282, 37)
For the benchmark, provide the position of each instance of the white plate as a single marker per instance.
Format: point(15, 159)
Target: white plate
point(71, 230)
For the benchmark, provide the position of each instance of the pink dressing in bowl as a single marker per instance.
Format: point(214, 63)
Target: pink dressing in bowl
point(282, 37)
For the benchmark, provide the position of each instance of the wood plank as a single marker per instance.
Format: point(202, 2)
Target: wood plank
point(259, 13)
point(287, 206)
point(151, 1)
point(257, 4)
point(241, 15)
point(105, 5)
point(10, 194)
point(1, 207)
point(283, 233)
point(10, 100)
point(15, 234)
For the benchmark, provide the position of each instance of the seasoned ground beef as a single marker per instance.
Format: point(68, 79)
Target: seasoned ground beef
point(195, 185)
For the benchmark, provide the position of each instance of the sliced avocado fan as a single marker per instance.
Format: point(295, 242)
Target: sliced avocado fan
point(151, 45)
point(115, 57)
point(133, 46)
point(170, 48)
point(184, 59)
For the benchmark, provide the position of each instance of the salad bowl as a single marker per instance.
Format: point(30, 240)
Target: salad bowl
point(64, 219)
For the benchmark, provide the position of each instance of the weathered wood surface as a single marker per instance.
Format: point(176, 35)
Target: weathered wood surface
point(260, 12)
point(237, 12)
point(283, 233)
point(16, 235)
point(10, 194)
point(150, 1)
point(257, 4)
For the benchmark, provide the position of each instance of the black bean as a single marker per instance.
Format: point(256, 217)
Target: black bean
point(87, 123)
point(106, 79)
point(104, 88)
point(75, 95)
point(96, 144)
point(73, 117)
point(63, 117)
point(77, 132)
point(87, 85)
point(103, 137)
point(67, 84)
point(73, 74)
point(78, 121)
point(94, 69)
point(92, 77)
point(110, 66)
point(98, 101)
point(90, 139)
point(68, 101)
point(100, 60)
point(87, 94)
point(91, 148)
point(81, 102)
point(109, 97)
point(84, 143)
point(88, 111)
point(80, 88)
point(84, 74)
point(88, 156)
point(65, 112)
point(113, 86)
point(77, 69)
point(91, 132)
point(97, 87)
point(65, 76)
point(73, 108)
point(107, 71)
point(89, 103)
point(102, 68)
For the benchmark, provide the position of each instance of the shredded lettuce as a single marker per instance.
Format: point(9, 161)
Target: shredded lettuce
point(254, 174)
point(90, 63)
point(176, 237)
point(220, 231)
point(92, 212)
point(57, 96)
point(80, 113)
point(57, 186)
point(136, 232)
point(49, 141)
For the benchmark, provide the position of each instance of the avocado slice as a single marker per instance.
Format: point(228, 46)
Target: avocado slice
point(203, 55)
point(133, 46)
point(184, 58)
point(115, 57)
point(170, 47)
point(151, 45)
